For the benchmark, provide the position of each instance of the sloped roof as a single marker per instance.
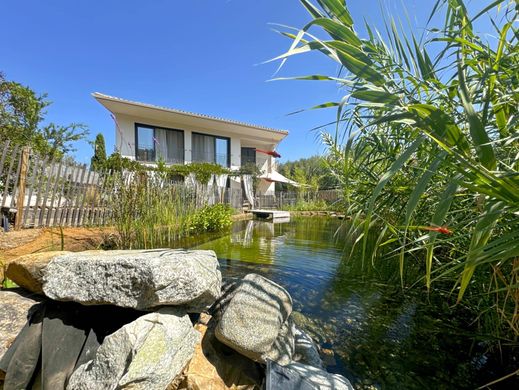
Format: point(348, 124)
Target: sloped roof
point(103, 97)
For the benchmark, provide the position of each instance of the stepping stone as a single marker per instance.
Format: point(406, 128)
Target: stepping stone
point(252, 319)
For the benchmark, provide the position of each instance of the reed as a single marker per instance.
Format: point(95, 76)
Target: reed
point(149, 211)
point(425, 147)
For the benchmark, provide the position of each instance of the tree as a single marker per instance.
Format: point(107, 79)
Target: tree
point(99, 157)
point(21, 114)
point(21, 110)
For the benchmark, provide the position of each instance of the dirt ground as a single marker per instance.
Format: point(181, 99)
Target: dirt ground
point(18, 243)
point(26, 241)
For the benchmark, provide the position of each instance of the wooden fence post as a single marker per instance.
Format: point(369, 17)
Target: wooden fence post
point(24, 161)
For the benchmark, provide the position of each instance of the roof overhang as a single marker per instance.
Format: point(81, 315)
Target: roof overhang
point(178, 118)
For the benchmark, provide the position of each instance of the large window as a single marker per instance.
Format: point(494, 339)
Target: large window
point(156, 143)
point(248, 156)
point(212, 149)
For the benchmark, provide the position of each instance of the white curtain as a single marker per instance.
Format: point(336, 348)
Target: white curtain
point(211, 196)
point(247, 187)
point(203, 148)
point(221, 183)
point(170, 145)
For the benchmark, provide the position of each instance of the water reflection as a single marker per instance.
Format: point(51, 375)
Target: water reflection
point(371, 331)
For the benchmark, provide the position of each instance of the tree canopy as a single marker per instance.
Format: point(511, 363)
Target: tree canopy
point(22, 112)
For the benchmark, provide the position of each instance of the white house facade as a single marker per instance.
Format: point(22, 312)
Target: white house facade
point(149, 133)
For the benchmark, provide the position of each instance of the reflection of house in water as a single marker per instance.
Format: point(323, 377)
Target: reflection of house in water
point(250, 241)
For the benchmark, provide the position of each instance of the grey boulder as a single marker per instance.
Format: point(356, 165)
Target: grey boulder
point(138, 279)
point(282, 350)
point(306, 351)
point(319, 378)
point(14, 312)
point(147, 353)
point(252, 319)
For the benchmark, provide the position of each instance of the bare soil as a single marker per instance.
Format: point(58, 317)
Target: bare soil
point(23, 242)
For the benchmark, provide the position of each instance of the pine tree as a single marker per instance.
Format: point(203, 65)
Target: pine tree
point(99, 157)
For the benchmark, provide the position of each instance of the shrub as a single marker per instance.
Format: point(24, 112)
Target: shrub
point(213, 218)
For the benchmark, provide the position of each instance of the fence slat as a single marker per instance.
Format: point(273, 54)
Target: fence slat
point(8, 176)
point(4, 155)
point(30, 186)
point(44, 207)
point(69, 194)
point(61, 194)
point(39, 185)
point(52, 207)
point(24, 165)
point(15, 179)
point(77, 194)
point(79, 219)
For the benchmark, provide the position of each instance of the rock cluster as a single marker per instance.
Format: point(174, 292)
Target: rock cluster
point(182, 329)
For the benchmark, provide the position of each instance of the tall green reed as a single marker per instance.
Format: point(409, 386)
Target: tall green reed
point(427, 140)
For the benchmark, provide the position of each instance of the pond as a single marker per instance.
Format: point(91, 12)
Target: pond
point(374, 333)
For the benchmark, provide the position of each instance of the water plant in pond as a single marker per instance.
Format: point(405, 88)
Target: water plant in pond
point(213, 218)
point(426, 135)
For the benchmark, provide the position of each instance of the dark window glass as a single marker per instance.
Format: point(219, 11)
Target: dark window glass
point(248, 156)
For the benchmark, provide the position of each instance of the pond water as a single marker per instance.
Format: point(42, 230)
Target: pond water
point(372, 332)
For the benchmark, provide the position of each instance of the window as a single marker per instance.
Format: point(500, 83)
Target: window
point(248, 156)
point(155, 143)
point(145, 144)
point(212, 149)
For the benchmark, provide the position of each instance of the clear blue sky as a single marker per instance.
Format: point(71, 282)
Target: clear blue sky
point(198, 55)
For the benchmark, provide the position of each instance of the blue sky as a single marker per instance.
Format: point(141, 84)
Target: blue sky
point(199, 55)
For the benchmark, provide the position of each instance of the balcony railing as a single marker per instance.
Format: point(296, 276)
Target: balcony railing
point(222, 159)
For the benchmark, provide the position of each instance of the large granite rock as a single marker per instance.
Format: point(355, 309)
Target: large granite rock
point(14, 311)
point(306, 351)
point(141, 279)
point(27, 271)
point(145, 354)
point(321, 379)
point(282, 350)
point(253, 318)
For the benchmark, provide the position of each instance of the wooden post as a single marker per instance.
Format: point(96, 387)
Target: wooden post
point(24, 161)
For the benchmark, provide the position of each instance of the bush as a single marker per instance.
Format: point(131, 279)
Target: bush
point(211, 219)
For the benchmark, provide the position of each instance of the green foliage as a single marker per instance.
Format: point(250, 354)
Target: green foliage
point(201, 170)
point(21, 110)
point(21, 114)
point(146, 213)
point(117, 163)
point(213, 218)
point(99, 158)
point(55, 141)
point(312, 172)
point(430, 141)
point(316, 205)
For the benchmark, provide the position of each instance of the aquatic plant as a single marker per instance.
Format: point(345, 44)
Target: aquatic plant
point(426, 138)
point(214, 218)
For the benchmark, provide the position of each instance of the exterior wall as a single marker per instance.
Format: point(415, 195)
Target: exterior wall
point(125, 144)
point(125, 140)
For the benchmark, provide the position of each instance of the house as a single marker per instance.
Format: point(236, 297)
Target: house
point(147, 133)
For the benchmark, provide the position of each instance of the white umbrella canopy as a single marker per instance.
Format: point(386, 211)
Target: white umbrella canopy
point(278, 178)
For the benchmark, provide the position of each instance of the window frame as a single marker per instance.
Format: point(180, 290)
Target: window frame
point(228, 139)
point(154, 128)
